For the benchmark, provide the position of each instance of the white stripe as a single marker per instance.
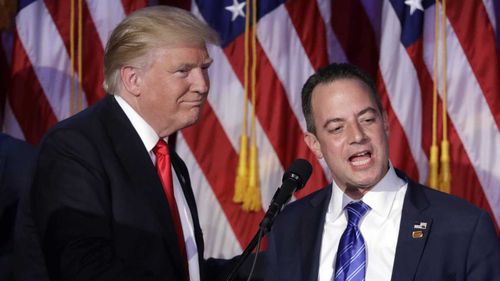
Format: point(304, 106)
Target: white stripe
point(335, 51)
point(489, 5)
point(47, 53)
point(290, 61)
point(10, 124)
point(220, 239)
point(106, 16)
point(226, 90)
point(402, 86)
point(469, 111)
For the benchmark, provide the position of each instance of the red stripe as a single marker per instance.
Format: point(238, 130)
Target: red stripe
point(355, 34)
point(476, 35)
point(131, 5)
point(311, 30)
point(184, 4)
point(399, 148)
point(465, 182)
point(221, 173)
point(275, 114)
point(27, 99)
point(92, 50)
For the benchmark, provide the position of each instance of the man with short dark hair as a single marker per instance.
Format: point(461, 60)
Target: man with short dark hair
point(372, 222)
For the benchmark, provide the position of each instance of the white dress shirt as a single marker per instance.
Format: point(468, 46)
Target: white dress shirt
point(379, 227)
point(149, 139)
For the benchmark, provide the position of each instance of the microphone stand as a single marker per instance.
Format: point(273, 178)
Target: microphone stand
point(264, 228)
point(260, 233)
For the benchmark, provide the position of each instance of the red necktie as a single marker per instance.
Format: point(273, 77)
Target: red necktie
point(165, 173)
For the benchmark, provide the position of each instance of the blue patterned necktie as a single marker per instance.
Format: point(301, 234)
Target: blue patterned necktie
point(351, 255)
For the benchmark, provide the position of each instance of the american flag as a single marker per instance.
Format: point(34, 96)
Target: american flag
point(391, 39)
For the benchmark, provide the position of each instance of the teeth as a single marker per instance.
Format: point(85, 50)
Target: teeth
point(360, 162)
point(361, 154)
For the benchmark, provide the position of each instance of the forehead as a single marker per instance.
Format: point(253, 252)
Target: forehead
point(180, 54)
point(342, 96)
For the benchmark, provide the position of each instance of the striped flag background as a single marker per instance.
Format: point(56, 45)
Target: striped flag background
point(391, 39)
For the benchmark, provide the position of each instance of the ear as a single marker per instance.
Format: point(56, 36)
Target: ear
point(313, 144)
point(130, 80)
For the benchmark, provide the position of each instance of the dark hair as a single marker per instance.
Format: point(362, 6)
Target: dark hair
point(328, 74)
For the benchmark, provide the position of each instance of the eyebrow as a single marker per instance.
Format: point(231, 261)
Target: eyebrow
point(338, 119)
point(207, 62)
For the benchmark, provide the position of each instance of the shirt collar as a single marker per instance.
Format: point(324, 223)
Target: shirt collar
point(380, 198)
point(146, 132)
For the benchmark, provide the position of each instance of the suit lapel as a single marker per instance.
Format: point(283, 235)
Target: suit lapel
point(141, 171)
point(312, 226)
point(413, 234)
point(183, 176)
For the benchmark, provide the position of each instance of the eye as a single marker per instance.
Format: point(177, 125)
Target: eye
point(335, 130)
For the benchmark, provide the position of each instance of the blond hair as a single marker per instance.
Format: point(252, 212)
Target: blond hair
point(147, 29)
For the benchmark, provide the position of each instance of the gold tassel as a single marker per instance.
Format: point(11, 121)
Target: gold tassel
point(251, 202)
point(241, 181)
point(433, 167)
point(242, 171)
point(252, 196)
point(445, 176)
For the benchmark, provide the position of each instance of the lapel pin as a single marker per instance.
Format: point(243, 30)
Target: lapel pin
point(422, 225)
point(417, 234)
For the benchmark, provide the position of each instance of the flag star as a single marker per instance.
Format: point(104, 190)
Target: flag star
point(414, 5)
point(236, 9)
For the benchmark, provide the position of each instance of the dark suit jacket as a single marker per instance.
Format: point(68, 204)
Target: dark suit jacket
point(16, 163)
point(459, 242)
point(99, 202)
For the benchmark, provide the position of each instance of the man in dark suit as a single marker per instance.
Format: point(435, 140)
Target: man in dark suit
point(372, 222)
point(107, 201)
point(16, 168)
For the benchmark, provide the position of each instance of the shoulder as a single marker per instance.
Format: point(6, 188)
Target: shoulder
point(10, 145)
point(444, 203)
point(312, 201)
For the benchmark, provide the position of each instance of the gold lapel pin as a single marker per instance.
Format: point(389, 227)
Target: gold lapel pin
point(417, 234)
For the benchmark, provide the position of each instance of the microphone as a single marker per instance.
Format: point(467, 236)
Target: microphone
point(293, 180)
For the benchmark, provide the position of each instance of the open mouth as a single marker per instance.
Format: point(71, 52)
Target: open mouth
point(361, 158)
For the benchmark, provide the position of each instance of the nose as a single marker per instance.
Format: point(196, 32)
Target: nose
point(357, 134)
point(200, 82)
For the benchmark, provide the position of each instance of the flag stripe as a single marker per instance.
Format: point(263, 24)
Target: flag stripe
point(311, 31)
point(228, 90)
point(27, 100)
point(204, 152)
point(131, 5)
point(349, 20)
point(106, 16)
point(284, 140)
point(92, 49)
point(218, 231)
point(464, 89)
point(399, 147)
point(290, 77)
point(47, 55)
point(334, 49)
point(474, 29)
point(398, 74)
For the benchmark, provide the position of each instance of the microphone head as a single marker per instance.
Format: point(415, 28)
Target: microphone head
point(300, 170)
